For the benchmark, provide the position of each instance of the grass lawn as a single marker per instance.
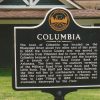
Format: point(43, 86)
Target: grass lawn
point(7, 93)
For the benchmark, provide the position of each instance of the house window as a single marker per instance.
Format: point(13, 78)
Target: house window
point(38, 4)
point(30, 2)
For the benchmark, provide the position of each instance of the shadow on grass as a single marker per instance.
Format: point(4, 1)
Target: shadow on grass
point(5, 71)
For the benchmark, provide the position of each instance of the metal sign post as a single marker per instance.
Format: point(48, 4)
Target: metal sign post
point(59, 94)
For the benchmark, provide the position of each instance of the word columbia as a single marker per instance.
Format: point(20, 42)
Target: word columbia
point(58, 37)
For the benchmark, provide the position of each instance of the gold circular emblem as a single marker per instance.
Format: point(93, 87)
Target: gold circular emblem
point(59, 20)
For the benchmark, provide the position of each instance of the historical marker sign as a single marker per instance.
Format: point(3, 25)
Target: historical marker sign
point(57, 54)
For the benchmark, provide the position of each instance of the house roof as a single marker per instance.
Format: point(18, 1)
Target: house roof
point(40, 13)
point(41, 3)
point(89, 13)
point(75, 4)
point(88, 4)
